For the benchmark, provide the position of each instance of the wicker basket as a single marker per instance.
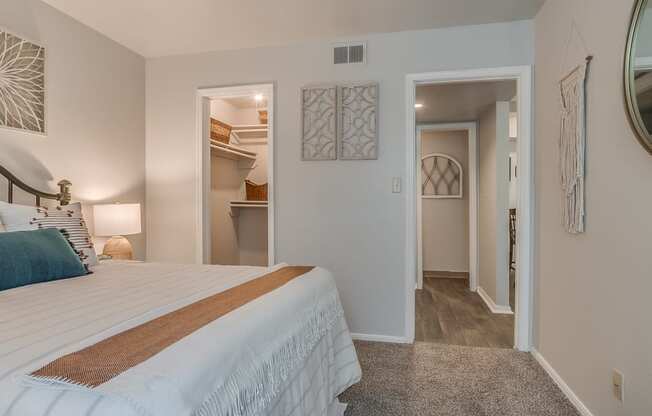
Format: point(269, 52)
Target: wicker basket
point(262, 116)
point(220, 131)
point(255, 192)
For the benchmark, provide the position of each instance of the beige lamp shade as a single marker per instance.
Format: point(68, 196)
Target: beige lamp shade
point(117, 219)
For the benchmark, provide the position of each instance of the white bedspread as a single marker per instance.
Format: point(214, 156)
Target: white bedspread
point(286, 353)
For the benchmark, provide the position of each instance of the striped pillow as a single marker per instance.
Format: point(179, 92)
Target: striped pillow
point(69, 219)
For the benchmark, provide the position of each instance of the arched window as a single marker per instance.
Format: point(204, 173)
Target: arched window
point(442, 177)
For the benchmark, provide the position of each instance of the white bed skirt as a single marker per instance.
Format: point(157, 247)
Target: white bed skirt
point(314, 387)
point(337, 408)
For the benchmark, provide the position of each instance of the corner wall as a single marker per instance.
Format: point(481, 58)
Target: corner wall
point(95, 114)
point(592, 294)
point(493, 200)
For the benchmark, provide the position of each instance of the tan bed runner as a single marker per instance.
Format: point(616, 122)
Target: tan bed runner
point(99, 363)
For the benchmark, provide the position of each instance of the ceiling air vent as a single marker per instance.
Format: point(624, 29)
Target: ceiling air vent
point(349, 53)
point(341, 55)
point(356, 54)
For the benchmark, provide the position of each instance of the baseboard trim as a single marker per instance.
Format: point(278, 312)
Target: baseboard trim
point(380, 338)
point(504, 310)
point(446, 274)
point(565, 388)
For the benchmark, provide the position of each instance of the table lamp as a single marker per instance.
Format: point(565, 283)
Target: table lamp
point(116, 221)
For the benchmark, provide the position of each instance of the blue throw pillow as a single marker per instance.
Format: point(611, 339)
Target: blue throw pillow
point(28, 257)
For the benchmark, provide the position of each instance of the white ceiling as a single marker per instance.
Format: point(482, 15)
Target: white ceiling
point(451, 103)
point(169, 27)
point(246, 102)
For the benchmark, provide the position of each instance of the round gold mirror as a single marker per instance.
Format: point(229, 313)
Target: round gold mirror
point(638, 72)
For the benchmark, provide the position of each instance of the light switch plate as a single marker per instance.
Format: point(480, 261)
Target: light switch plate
point(618, 381)
point(396, 185)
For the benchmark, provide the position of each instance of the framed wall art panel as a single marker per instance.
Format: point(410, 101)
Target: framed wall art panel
point(319, 122)
point(358, 137)
point(22, 84)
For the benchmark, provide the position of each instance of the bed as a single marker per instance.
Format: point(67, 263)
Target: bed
point(283, 351)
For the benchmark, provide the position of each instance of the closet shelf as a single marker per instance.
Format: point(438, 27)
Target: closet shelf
point(249, 128)
point(237, 205)
point(247, 132)
point(248, 204)
point(229, 151)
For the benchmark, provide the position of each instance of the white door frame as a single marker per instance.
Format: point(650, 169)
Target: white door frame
point(203, 158)
point(525, 218)
point(472, 175)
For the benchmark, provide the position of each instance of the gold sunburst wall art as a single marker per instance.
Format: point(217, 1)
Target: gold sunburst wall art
point(22, 84)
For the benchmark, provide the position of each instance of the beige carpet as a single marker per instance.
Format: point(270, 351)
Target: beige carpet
point(445, 380)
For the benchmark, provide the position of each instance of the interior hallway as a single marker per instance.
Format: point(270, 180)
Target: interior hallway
point(447, 312)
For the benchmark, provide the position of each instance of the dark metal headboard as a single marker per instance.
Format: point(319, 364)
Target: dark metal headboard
point(63, 197)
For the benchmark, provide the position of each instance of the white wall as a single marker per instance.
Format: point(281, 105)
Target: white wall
point(252, 237)
point(95, 113)
point(226, 184)
point(223, 111)
point(493, 214)
point(445, 222)
point(592, 293)
point(247, 115)
point(503, 147)
point(241, 239)
point(252, 223)
point(340, 215)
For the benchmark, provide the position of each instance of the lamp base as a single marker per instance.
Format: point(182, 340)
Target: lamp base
point(119, 248)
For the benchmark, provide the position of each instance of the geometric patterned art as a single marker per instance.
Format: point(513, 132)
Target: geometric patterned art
point(22, 84)
point(442, 177)
point(359, 132)
point(319, 123)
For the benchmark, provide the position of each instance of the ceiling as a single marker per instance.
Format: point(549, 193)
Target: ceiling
point(168, 27)
point(457, 102)
point(246, 102)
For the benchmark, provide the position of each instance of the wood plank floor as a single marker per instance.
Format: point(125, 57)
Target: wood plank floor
point(448, 312)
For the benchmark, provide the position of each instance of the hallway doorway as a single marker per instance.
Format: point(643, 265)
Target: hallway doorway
point(479, 305)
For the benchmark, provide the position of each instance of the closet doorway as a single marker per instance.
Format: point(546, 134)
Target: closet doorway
point(236, 166)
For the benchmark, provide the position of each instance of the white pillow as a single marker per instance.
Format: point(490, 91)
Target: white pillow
point(68, 219)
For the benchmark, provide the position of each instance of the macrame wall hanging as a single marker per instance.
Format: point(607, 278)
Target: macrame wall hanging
point(572, 147)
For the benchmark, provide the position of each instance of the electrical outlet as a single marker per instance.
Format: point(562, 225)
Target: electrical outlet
point(618, 382)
